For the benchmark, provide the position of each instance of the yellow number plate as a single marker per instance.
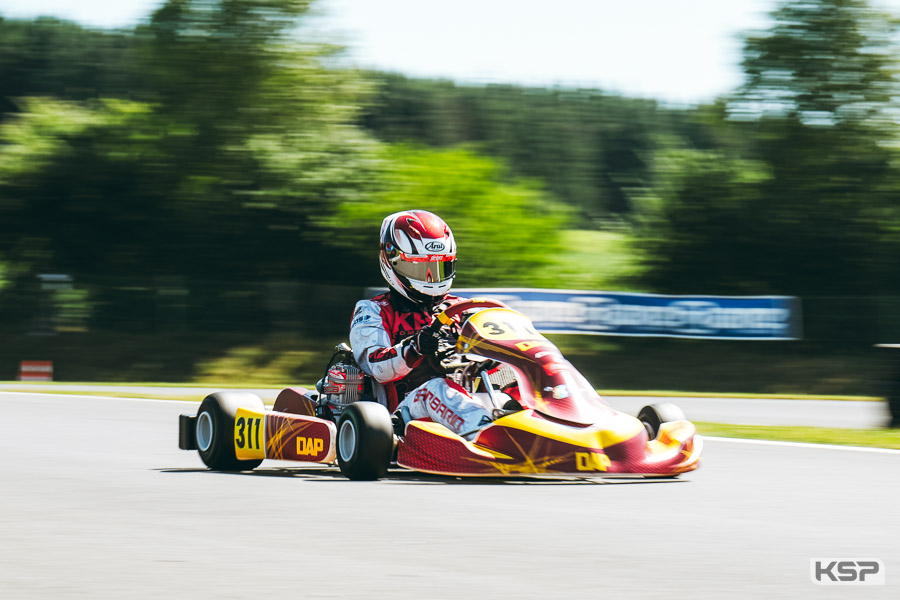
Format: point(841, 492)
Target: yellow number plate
point(503, 324)
point(249, 434)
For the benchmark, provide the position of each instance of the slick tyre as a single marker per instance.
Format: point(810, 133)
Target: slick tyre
point(654, 415)
point(365, 441)
point(215, 430)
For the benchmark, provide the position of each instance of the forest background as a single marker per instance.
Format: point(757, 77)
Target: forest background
point(198, 198)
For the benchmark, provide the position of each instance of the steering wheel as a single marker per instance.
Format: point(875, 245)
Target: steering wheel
point(450, 319)
point(452, 314)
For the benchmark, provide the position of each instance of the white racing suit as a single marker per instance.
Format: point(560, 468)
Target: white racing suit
point(381, 334)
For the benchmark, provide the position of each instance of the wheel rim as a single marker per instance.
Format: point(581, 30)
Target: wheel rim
point(347, 440)
point(204, 431)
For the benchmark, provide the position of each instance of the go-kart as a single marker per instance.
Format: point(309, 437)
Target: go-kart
point(549, 421)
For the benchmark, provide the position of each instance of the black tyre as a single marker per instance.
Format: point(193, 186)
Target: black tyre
point(365, 441)
point(654, 415)
point(215, 430)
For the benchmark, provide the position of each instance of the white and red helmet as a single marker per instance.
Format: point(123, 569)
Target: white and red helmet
point(418, 255)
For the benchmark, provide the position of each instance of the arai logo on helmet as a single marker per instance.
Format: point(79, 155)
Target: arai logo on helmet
point(434, 246)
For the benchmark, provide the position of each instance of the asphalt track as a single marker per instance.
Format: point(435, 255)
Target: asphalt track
point(98, 502)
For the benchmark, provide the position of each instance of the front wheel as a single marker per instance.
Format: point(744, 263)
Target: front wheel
point(365, 441)
point(654, 415)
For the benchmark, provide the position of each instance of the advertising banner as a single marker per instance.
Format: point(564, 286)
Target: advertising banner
point(651, 315)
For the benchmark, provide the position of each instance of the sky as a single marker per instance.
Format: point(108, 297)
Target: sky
point(677, 51)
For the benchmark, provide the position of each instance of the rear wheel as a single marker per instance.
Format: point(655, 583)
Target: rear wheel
point(365, 441)
point(654, 415)
point(214, 430)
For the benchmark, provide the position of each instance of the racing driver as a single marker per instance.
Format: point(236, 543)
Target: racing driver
point(393, 333)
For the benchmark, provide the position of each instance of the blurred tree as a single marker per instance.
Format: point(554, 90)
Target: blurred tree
point(590, 148)
point(824, 62)
point(47, 57)
point(703, 229)
point(240, 165)
point(504, 227)
point(821, 92)
point(799, 206)
point(265, 137)
point(218, 182)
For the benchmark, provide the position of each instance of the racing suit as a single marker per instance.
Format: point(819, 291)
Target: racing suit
point(381, 335)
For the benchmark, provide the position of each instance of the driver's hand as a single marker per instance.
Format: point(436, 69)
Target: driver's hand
point(444, 354)
point(426, 340)
point(441, 307)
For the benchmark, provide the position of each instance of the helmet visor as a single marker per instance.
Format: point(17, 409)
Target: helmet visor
point(428, 272)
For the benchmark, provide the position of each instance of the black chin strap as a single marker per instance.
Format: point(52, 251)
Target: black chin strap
point(406, 305)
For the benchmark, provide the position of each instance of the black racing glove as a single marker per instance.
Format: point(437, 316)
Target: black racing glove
point(426, 341)
point(441, 307)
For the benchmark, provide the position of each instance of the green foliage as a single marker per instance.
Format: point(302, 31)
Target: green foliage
point(590, 149)
point(57, 162)
point(46, 57)
point(194, 164)
point(799, 196)
point(505, 228)
point(824, 62)
point(236, 165)
point(703, 224)
point(593, 260)
point(209, 187)
point(873, 438)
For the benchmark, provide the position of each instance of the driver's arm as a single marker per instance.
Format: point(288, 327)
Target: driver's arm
point(372, 347)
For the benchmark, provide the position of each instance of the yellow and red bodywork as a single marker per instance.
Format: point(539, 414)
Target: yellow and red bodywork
point(527, 443)
point(565, 427)
point(520, 444)
point(283, 435)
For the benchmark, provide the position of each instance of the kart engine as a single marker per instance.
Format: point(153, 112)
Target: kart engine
point(343, 383)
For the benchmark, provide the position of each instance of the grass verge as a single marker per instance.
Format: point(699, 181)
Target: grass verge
point(748, 396)
point(873, 438)
point(18, 386)
point(124, 395)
